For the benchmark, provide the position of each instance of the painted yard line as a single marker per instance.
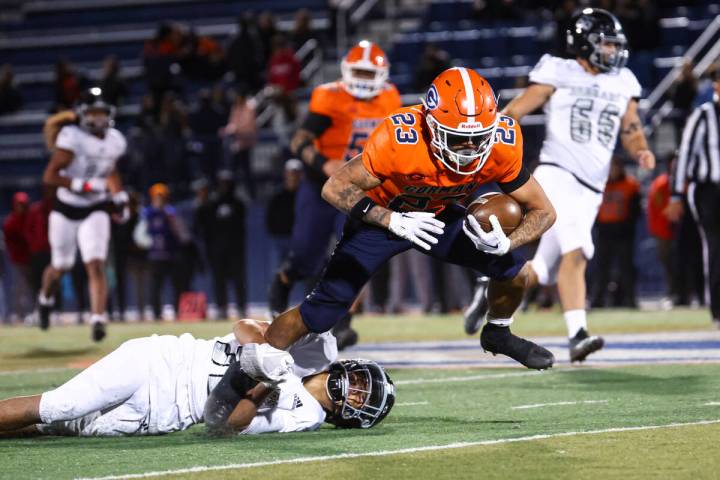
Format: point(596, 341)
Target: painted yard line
point(410, 404)
point(35, 370)
point(711, 404)
point(472, 378)
point(384, 453)
point(539, 405)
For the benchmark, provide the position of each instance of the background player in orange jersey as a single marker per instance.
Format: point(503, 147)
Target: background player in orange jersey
point(342, 115)
point(401, 193)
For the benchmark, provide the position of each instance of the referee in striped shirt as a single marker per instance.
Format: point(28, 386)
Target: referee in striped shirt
point(698, 169)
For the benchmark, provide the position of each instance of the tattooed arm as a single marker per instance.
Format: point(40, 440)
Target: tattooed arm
point(539, 213)
point(633, 138)
point(348, 185)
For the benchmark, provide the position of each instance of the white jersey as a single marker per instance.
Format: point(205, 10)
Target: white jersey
point(291, 407)
point(583, 116)
point(93, 157)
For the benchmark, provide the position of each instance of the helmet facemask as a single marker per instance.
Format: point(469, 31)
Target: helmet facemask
point(363, 79)
point(361, 392)
point(94, 123)
point(602, 58)
point(458, 149)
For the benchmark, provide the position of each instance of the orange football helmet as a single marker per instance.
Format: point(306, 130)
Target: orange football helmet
point(462, 115)
point(365, 69)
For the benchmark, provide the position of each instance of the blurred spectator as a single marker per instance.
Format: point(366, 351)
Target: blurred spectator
point(205, 120)
point(245, 55)
point(683, 95)
point(10, 97)
point(129, 260)
point(563, 15)
point(660, 227)
point(284, 120)
point(302, 30)
point(241, 135)
point(36, 236)
point(204, 58)
point(406, 268)
point(283, 68)
point(280, 213)
point(173, 131)
point(615, 225)
point(160, 58)
point(165, 232)
point(432, 62)
point(114, 88)
point(266, 31)
point(68, 85)
point(641, 22)
point(223, 228)
point(19, 253)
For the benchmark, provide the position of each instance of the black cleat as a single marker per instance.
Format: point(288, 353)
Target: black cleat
point(496, 339)
point(582, 345)
point(278, 296)
point(98, 331)
point(44, 316)
point(475, 313)
point(344, 334)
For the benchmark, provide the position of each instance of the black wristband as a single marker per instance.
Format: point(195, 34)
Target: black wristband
point(361, 208)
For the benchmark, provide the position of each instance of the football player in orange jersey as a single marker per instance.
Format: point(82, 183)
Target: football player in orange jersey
point(401, 193)
point(342, 115)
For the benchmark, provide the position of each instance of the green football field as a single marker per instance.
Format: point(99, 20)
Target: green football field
point(629, 421)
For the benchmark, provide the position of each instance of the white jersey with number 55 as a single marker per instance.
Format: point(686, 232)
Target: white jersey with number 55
point(93, 157)
point(583, 116)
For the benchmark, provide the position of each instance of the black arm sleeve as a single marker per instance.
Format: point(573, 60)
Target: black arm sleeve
point(316, 123)
point(519, 181)
point(223, 399)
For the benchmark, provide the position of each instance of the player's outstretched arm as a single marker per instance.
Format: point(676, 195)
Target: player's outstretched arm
point(539, 213)
point(53, 125)
point(346, 187)
point(532, 98)
point(633, 138)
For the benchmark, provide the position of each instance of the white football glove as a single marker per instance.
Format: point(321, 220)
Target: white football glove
point(95, 185)
point(494, 242)
point(266, 364)
point(122, 211)
point(420, 228)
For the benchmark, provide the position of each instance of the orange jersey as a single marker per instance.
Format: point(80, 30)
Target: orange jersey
point(352, 119)
point(398, 153)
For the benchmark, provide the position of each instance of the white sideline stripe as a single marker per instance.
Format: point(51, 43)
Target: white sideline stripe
point(539, 405)
point(711, 404)
point(410, 404)
point(384, 453)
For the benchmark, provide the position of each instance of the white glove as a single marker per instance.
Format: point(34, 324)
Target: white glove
point(416, 227)
point(97, 185)
point(494, 242)
point(266, 364)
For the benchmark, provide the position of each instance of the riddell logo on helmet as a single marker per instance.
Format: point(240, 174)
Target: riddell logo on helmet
point(431, 99)
point(471, 126)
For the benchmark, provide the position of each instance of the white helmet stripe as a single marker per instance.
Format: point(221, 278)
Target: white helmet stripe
point(469, 93)
point(366, 51)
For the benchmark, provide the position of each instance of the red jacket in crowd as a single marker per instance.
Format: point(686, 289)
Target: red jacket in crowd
point(36, 226)
point(17, 247)
point(284, 70)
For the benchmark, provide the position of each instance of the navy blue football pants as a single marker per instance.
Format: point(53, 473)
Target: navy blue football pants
point(363, 248)
point(315, 222)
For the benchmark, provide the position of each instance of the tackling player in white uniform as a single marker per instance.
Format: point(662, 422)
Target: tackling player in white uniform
point(82, 167)
point(587, 101)
point(163, 384)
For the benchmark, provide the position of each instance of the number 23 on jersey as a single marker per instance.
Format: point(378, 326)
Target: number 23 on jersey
point(405, 131)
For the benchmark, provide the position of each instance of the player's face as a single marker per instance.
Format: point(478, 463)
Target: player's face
point(363, 74)
point(359, 390)
point(97, 120)
point(467, 144)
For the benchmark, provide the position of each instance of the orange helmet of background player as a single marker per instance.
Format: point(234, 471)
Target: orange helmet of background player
point(365, 69)
point(462, 115)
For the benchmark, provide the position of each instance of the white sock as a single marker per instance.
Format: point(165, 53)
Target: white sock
point(45, 301)
point(500, 322)
point(575, 320)
point(97, 318)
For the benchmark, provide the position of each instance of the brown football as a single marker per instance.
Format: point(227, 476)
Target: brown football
point(507, 210)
